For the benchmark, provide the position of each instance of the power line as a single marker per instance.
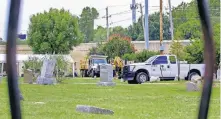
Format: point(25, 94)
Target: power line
point(120, 21)
point(119, 13)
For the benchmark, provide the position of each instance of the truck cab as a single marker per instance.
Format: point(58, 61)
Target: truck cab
point(162, 66)
point(94, 64)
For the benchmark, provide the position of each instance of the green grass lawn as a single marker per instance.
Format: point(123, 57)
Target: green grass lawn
point(151, 101)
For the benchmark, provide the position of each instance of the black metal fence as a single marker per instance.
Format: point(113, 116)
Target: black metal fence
point(14, 93)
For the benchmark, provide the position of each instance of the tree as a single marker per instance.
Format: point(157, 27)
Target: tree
point(177, 49)
point(97, 50)
point(100, 34)
point(144, 55)
point(118, 46)
point(61, 67)
point(136, 32)
point(189, 30)
point(55, 31)
point(186, 19)
point(154, 27)
point(87, 23)
point(187, 26)
point(118, 30)
point(196, 49)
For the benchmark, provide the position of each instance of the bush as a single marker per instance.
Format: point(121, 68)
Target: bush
point(144, 55)
point(140, 56)
point(34, 63)
point(177, 49)
point(61, 68)
point(129, 57)
point(118, 46)
point(98, 50)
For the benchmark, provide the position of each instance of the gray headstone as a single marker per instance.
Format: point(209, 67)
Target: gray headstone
point(28, 76)
point(191, 86)
point(106, 75)
point(46, 81)
point(46, 77)
point(93, 110)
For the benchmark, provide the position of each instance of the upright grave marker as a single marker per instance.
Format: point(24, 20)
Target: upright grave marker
point(28, 76)
point(106, 75)
point(47, 70)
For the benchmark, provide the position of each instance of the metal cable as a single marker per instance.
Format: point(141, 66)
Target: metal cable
point(14, 93)
point(209, 58)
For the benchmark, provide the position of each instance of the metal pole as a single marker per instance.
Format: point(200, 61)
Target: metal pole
point(146, 34)
point(171, 20)
point(161, 27)
point(141, 11)
point(13, 89)
point(107, 23)
point(133, 8)
point(209, 58)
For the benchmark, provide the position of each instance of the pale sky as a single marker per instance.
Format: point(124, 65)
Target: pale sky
point(30, 7)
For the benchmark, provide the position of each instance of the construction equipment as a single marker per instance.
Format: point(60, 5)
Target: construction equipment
point(84, 67)
point(90, 66)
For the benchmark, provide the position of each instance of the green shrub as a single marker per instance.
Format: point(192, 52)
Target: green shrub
point(144, 55)
point(129, 57)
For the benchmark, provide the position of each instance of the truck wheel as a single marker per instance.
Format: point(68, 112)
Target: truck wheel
point(141, 77)
point(92, 74)
point(191, 75)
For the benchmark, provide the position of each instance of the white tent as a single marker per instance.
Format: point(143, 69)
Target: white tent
point(25, 57)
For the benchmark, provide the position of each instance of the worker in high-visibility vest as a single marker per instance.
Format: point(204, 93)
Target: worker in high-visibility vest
point(120, 65)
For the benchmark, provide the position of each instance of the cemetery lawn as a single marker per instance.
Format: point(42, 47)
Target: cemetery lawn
point(146, 101)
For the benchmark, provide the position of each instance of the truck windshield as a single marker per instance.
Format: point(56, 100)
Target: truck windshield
point(99, 61)
point(149, 61)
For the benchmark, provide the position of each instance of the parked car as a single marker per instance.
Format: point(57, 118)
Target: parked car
point(163, 66)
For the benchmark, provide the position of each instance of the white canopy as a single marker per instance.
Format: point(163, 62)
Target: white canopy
point(25, 57)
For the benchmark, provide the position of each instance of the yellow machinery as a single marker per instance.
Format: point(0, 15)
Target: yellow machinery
point(90, 66)
point(84, 66)
point(87, 63)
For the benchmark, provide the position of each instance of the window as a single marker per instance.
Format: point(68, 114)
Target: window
point(172, 59)
point(149, 61)
point(99, 61)
point(161, 60)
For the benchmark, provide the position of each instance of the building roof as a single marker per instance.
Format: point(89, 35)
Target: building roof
point(25, 57)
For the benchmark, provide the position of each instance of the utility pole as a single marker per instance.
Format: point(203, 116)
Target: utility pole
point(146, 33)
point(161, 27)
point(107, 23)
point(172, 37)
point(133, 7)
point(141, 11)
point(171, 19)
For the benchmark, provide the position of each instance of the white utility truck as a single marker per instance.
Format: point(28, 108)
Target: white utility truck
point(162, 66)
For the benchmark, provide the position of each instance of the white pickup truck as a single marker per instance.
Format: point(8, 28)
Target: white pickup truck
point(162, 66)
